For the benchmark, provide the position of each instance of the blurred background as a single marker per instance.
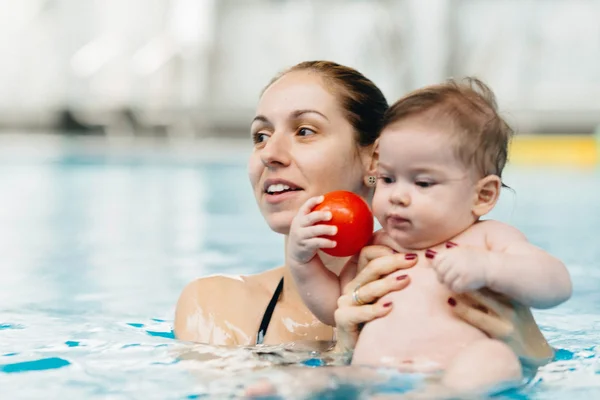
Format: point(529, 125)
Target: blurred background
point(195, 68)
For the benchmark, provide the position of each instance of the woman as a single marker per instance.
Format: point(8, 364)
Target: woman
point(314, 132)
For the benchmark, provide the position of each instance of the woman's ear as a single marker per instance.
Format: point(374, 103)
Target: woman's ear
point(372, 159)
point(487, 192)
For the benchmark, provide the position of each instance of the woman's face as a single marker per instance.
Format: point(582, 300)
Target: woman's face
point(303, 147)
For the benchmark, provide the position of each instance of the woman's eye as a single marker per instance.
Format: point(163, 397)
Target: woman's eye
point(259, 137)
point(424, 184)
point(305, 132)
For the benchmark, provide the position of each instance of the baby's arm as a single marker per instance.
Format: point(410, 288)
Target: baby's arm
point(522, 271)
point(317, 285)
point(508, 264)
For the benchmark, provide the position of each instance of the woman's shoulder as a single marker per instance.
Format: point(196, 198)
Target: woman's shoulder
point(226, 285)
point(214, 284)
point(222, 299)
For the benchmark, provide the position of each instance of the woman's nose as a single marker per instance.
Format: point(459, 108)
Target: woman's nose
point(276, 152)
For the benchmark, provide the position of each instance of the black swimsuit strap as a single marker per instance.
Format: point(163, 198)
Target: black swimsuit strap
point(264, 324)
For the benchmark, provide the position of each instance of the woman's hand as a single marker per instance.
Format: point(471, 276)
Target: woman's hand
point(372, 281)
point(507, 321)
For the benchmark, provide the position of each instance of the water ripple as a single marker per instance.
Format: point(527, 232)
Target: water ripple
point(35, 365)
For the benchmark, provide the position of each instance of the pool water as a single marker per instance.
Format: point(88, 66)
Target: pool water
point(97, 244)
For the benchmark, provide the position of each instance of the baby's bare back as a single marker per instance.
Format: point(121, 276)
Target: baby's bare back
point(421, 332)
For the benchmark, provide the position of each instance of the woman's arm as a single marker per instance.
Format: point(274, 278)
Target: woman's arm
point(505, 320)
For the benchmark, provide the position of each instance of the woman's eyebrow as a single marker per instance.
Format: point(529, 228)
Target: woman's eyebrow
point(298, 113)
point(263, 119)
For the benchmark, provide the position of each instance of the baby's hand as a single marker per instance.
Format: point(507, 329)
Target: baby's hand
point(462, 269)
point(304, 240)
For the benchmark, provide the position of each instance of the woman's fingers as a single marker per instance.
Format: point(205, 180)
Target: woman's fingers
point(379, 267)
point(374, 265)
point(489, 300)
point(493, 325)
point(349, 321)
point(373, 291)
point(351, 317)
point(369, 253)
point(382, 238)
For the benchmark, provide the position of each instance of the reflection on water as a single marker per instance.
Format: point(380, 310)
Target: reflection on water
point(96, 249)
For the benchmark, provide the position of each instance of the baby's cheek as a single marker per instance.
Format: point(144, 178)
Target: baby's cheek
point(378, 204)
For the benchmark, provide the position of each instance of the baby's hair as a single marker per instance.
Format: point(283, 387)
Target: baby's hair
point(468, 107)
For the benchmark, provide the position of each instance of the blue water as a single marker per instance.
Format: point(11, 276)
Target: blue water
point(96, 246)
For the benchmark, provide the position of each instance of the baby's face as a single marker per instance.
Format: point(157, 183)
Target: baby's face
point(424, 194)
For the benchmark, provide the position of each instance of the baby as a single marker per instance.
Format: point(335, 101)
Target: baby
point(439, 164)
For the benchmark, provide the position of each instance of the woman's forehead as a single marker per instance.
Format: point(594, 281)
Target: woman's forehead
point(297, 90)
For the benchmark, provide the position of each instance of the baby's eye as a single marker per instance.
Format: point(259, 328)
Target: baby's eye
point(386, 179)
point(424, 184)
point(305, 132)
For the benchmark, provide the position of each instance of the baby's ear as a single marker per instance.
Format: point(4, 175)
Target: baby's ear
point(487, 192)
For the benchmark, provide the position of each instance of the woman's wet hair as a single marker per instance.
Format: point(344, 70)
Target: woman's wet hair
point(363, 103)
point(469, 110)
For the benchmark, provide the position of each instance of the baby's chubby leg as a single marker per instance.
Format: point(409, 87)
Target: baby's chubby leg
point(484, 366)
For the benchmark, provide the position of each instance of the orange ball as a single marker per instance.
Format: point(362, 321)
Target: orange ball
point(353, 218)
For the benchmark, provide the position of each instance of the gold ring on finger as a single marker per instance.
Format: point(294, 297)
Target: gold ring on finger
point(356, 298)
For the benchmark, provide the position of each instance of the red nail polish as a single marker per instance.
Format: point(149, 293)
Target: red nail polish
point(410, 256)
point(450, 245)
point(388, 304)
point(451, 301)
point(430, 253)
point(401, 277)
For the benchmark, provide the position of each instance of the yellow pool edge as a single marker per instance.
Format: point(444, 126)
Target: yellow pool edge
point(567, 149)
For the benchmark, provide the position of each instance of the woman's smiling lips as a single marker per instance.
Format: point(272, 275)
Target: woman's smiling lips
point(279, 190)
